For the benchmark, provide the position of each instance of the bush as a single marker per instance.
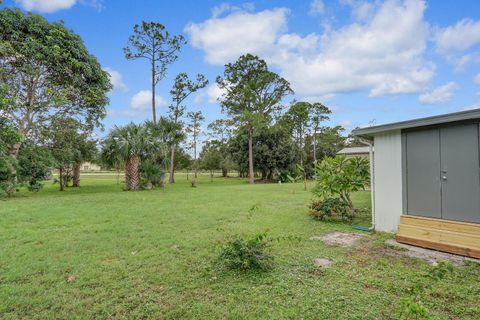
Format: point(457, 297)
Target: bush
point(340, 176)
point(408, 308)
point(247, 254)
point(331, 208)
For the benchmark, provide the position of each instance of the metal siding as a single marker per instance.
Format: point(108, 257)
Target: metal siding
point(460, 173)
point(388, 180)
point(423, 186)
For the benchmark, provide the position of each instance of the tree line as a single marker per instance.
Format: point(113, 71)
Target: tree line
point(53, 95)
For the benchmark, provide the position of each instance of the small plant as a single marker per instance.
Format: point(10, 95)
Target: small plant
point(247, 254)
point(295, 176)
point(408, 308)
point(440, 270)
point(331, 208)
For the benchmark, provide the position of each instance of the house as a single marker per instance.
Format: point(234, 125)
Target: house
point(90, 167)
point(426, 181)
point(351, 152)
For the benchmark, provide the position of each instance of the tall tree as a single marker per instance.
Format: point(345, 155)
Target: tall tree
point(47, 73)
point(151, 41)
point(251, 95)
point(297, 120)
point(194, 128)
point(319, 114)
point(182, 88)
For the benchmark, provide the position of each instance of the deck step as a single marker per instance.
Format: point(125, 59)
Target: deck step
point(443, 235)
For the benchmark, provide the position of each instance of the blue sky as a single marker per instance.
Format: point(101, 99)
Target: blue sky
point(370, 61)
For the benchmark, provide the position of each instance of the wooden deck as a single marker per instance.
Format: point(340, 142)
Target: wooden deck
point(444, 235)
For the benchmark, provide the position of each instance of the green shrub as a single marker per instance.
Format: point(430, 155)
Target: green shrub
point(247, 254)
point(408, 308)
point(340, 176)
point(329, 208)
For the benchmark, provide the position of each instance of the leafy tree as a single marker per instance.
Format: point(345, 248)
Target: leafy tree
point(34, 163)
point(9, 136)
point(211, 158)
point(128, 143)
point(340, 176)
point(46, 72)
point(251, 95)
point(194, 128)
point(86, 150)
point(151, 41)
point(62, 137)
point(182, 88)
point(220, 131)
point(274, 151)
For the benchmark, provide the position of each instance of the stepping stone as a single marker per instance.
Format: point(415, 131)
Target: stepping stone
point(323, 263)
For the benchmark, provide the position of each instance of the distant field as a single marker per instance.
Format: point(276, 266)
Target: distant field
point(98, 252)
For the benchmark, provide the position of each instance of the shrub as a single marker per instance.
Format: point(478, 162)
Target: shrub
point(408, 308)
point(331, 208)
point(340, 176)
point(247, 254)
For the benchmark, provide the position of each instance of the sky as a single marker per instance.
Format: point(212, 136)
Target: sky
point(371, 62)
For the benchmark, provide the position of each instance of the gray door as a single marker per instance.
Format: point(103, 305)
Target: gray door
point(460, 173)
point(422, 173)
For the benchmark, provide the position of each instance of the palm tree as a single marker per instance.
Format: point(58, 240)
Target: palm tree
point(129, 143)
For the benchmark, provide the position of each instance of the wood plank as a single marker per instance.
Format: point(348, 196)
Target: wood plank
point(456, 226)
point(442, 236)
point(445, 235)
point(440, 247)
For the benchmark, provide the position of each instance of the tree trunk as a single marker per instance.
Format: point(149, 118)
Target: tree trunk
point(224, 172)
point(132, 176)
point(15, 149)
point(154, 112)
point(315, 145)
point(61, 179)
point(171, 177)
point(211, 176)
point(251, 178)
point(76, 175)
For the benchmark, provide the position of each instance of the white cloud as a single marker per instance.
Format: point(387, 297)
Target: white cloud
point(227, 7)
point(142, 100)
point(50, 6)
point(455, 41)
point(459, 37)
point(360, 10)
point(476, 79)
point(440, 94)
point(379, 56)
point(316, 8)
point(116, 79)
point(46, 6)
point(225, 39)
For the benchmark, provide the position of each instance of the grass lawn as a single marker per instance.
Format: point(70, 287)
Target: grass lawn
point(99, 252)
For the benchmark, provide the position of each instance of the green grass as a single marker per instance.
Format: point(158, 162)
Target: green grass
point(152, 254)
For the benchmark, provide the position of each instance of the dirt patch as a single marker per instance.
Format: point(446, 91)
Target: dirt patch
point(431, 256)
point(323, 263)
point(339, 239)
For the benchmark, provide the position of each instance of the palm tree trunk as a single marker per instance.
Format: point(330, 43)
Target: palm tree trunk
point(132, 176)
point(171, 177)
point(76, 175)
point(251, 179)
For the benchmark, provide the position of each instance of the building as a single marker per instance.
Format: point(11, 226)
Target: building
point(426, 184)
point(351, 152)
point(90, 167)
